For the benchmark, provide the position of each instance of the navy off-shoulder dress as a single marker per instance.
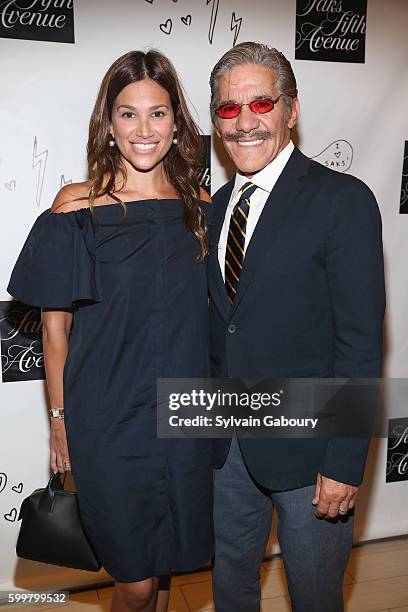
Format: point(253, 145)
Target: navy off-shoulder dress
point(139, 299)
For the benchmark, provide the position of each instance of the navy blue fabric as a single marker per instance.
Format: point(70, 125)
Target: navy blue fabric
point(140, 307)
point(310, 303)
point(57, 266)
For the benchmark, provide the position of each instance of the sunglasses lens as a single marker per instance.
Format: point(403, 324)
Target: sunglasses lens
point(261, 106)
point(228, 111)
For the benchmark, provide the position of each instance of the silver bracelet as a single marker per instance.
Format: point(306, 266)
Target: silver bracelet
point(56, 413)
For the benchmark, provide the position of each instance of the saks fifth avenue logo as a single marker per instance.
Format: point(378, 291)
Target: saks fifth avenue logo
point(205, 172)
point(331, 30)
point(397, 452)
point(48, 20)
point(21, 344)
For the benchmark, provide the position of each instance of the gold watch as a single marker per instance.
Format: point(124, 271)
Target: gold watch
point(56, 413)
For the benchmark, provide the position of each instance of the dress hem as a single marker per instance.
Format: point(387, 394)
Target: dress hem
point(191, 568)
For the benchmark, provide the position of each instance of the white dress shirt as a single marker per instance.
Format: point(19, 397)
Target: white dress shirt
point(265, 181)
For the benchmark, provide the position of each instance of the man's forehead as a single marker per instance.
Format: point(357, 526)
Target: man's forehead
point(248, 77)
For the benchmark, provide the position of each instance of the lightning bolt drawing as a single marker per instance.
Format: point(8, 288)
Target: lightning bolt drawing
point(65, 181)
point(39, 159)
point(213, 20)
point(235, 25)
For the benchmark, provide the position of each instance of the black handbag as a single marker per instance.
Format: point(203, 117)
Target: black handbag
point(51, 529)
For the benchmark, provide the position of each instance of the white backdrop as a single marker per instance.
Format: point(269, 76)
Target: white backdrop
point(47, 91)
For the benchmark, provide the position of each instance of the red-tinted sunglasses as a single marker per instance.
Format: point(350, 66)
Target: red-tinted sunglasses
point(233, 109)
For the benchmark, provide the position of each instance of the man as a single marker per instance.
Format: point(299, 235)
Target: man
point(296, 290)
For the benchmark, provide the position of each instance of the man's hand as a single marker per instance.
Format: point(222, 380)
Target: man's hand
point(333, 498)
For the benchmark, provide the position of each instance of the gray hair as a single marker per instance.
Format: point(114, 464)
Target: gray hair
point(261, 55)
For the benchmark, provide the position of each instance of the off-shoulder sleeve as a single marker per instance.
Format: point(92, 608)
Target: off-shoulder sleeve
point(57, 266)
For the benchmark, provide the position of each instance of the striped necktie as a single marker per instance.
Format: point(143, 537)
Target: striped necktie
point(234, 254)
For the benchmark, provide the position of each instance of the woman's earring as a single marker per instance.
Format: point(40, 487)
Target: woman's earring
point(175, 141)
point(111, 142)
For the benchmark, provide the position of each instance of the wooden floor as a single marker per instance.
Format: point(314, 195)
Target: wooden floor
point(376, 579)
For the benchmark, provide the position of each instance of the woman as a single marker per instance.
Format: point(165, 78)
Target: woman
point(118, 266)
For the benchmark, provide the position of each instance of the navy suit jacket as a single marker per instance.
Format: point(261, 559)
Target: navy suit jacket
point(310, 303)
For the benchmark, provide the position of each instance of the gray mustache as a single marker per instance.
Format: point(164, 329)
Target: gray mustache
point(234, 136)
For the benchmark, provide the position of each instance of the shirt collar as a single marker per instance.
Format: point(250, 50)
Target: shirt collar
point(266, 178)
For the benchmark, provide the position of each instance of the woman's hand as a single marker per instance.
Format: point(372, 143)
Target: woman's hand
point(59, 455)
point(56, 330)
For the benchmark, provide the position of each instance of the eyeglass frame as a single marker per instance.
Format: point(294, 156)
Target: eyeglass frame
point(248, 104)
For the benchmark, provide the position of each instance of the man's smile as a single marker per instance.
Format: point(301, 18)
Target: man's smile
point(250, 143)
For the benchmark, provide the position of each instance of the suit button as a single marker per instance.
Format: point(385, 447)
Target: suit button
point(232, 329)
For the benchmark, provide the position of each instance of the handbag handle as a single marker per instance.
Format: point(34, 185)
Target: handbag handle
point(54, 484)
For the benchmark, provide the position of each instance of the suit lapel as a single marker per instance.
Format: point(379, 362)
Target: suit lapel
point(216, 281)
point(276, 208)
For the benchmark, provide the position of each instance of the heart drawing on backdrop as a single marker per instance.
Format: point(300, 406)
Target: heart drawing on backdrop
point(338, 155)
point(166, 27)
point(11, 516)
point(165, 24)
point(18, 488)
point(3, 481)
point(11, 185)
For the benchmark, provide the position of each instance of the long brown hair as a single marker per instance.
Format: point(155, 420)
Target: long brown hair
point(182, 162)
